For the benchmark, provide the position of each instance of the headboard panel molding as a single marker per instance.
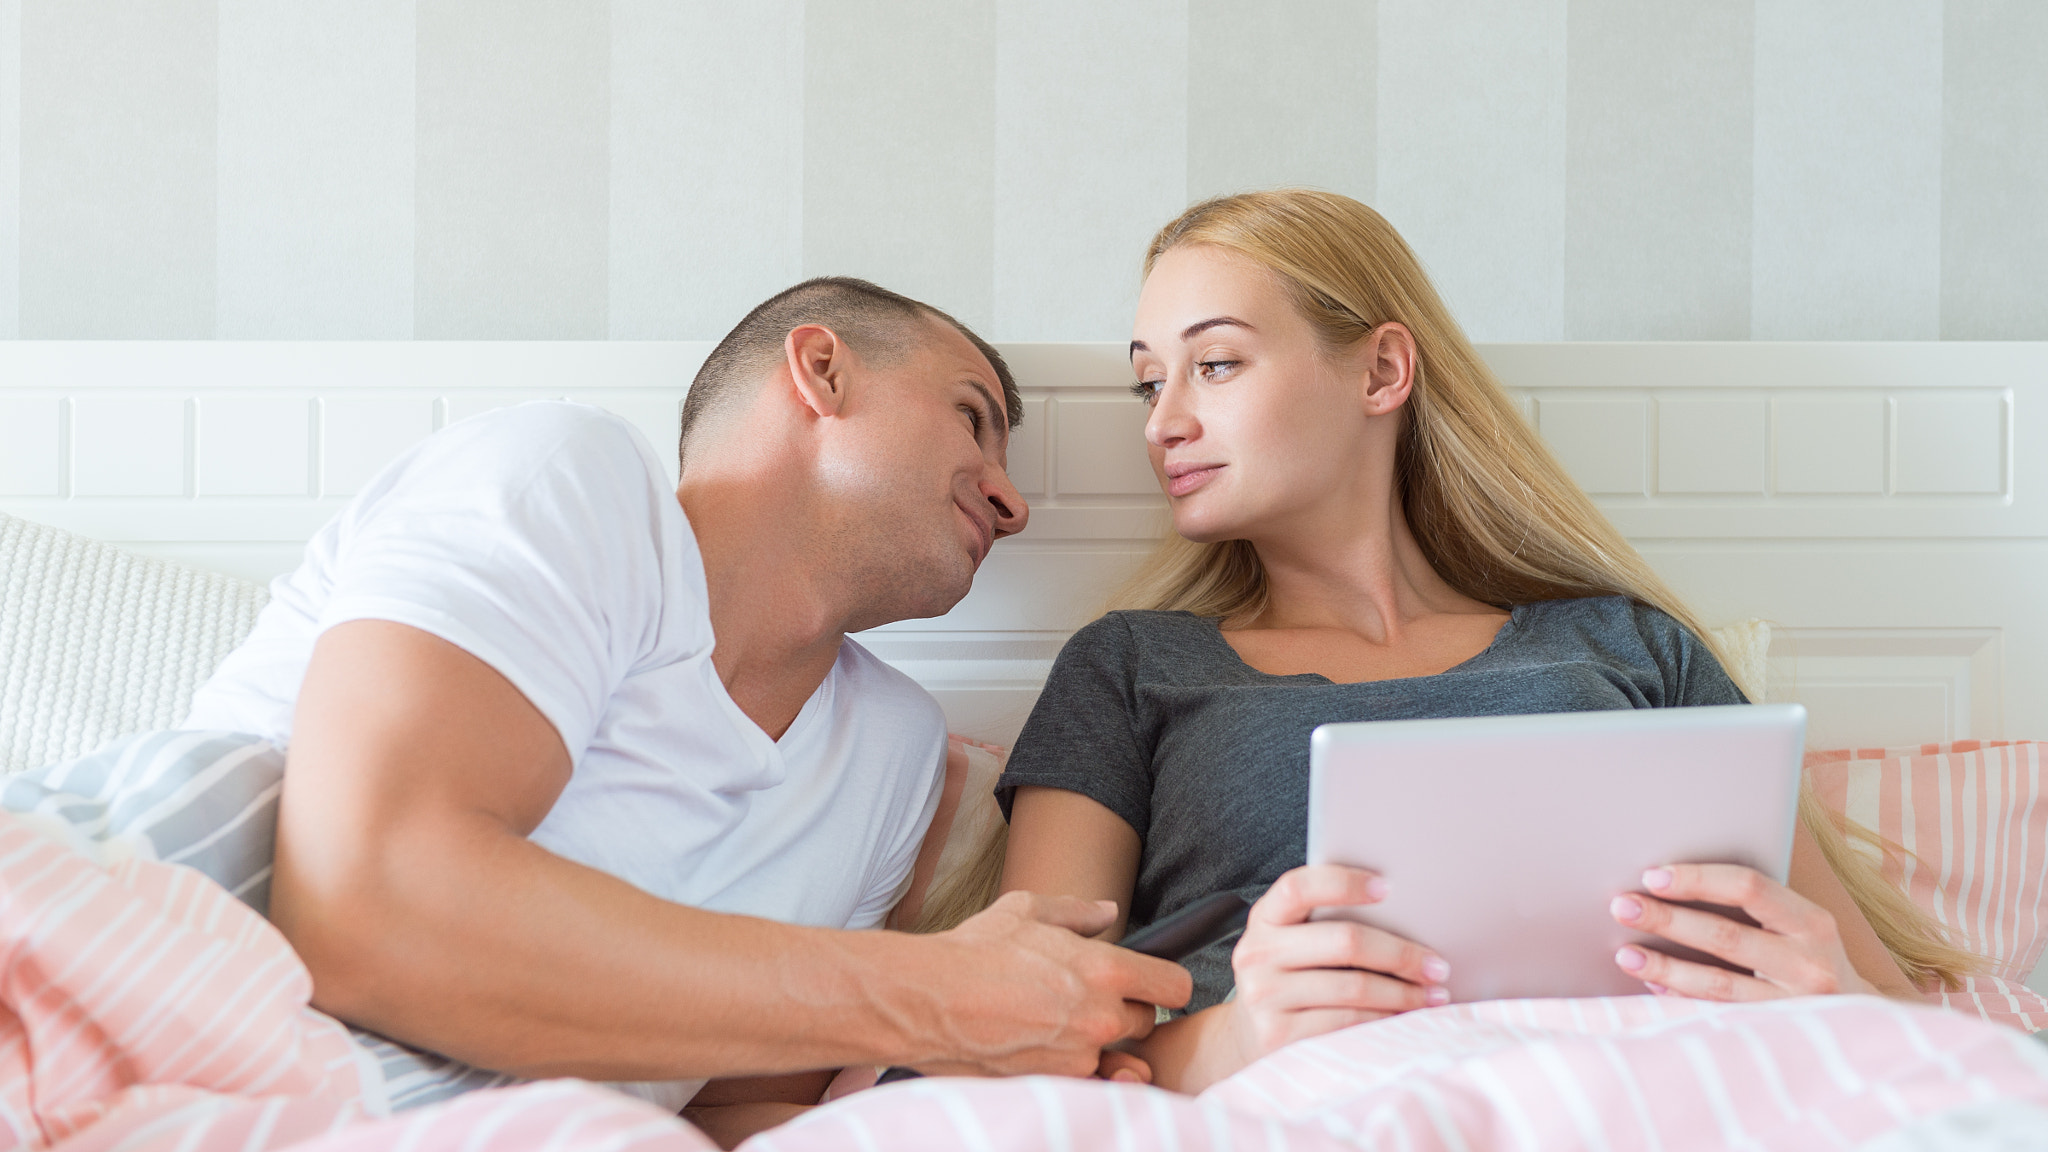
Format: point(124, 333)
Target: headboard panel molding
point(1884, 505)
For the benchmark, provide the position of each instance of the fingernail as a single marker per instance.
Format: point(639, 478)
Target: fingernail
point(1655, 989)
point(1436, 970)
point(1657, 879)
point(1626, 908)
point(1437, 997)
point(1125, 1076)
point(1631, 959)
point(1376, 888)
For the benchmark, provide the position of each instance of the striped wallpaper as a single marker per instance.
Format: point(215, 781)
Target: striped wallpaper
point(648, 169)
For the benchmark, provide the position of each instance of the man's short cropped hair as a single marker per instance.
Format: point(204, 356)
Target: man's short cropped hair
point(875, 322)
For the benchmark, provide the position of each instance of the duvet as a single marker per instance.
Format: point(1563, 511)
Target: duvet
point(144, 1007)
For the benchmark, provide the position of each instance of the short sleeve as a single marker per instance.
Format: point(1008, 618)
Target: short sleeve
point(1082, 734)
point(895, 736)
point(1692, 676)
point(525, 538)
point(898, 858)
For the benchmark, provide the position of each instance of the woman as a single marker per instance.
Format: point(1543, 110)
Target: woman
point(1364, 528)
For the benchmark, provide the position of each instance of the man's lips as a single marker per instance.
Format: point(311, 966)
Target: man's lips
point(1183, 477)
point(984, 531)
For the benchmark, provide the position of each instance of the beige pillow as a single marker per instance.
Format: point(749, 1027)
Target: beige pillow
point(960, 863)
point(1745, 643)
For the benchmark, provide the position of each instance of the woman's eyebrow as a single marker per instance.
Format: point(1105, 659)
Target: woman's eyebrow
point(1200, 326)
point(1196, 329)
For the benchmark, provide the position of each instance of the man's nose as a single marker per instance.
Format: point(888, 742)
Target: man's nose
point(1011, 511)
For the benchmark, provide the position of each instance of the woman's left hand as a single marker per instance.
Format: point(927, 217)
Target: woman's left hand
point(1797, 951)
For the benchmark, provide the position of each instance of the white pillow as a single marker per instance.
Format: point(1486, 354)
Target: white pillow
point(98, 643)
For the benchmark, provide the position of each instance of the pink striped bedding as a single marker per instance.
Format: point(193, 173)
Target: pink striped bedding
point(1625, 1073)
point(142, 1008)
point(1620, 1074)
point(1974, 816)
point(142, 991)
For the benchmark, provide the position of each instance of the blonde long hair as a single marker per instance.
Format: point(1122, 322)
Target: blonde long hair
point(1493, 511)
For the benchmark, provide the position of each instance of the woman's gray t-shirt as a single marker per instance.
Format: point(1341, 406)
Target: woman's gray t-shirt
point(1154, 716)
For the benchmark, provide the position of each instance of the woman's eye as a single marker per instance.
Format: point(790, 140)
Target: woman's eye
point(1210, 369)
point(1147, 390)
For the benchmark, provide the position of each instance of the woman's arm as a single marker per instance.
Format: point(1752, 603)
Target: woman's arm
point(730, 1111)
point(1812, 878)
point(1295, 977)
point(1064, 844)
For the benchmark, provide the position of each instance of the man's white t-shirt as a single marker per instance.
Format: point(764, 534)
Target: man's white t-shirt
point(546, 541)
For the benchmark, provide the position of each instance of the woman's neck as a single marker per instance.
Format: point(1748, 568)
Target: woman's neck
point(1365, 574)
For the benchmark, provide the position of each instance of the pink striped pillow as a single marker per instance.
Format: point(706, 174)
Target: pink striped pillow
point(1999, 1001)
point(1975, 817)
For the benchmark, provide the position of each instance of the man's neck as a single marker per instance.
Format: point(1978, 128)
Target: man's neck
point(777, 626)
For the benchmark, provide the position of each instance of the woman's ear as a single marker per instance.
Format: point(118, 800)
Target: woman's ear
point(819, 365)
point(1389, 368)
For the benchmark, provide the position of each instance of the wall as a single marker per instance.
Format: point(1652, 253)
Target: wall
point(647, 169)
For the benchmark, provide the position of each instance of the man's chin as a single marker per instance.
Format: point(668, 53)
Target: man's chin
point(960, 584)
point(946, 599)
point(923, 595)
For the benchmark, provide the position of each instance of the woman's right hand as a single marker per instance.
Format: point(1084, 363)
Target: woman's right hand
point(1298, 977)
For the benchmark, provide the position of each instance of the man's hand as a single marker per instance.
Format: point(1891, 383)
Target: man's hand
point(1030, 993)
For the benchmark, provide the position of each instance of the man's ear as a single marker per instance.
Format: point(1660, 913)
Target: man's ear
point(820, 364)
point(1390, 363)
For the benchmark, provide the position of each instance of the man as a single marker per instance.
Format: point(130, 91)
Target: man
point(550, 727)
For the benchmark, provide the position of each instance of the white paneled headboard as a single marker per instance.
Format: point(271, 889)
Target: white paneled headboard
point(1885, 506)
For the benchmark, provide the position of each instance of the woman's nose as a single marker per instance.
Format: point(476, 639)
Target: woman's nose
point(1170, 422)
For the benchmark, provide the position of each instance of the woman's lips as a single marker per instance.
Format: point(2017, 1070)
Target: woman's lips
point(1185, 482)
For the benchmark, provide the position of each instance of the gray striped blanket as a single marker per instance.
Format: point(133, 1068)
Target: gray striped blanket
point(207, 800)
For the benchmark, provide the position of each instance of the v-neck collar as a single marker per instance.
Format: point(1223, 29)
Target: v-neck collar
point(769, 752)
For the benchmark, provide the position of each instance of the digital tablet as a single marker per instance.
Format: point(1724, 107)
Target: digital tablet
point(1504, 839)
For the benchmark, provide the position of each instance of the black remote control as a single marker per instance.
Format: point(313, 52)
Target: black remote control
point(1182, 934)
point(1191, 929)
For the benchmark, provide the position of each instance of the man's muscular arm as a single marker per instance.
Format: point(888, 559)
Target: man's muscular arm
point(406, 881)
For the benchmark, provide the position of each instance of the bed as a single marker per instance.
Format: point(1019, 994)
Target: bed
point(1882, 507)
